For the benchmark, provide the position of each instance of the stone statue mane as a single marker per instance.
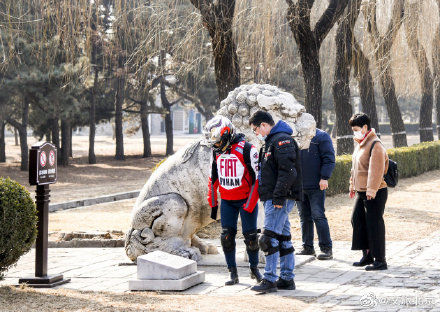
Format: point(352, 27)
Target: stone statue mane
point(172, 205)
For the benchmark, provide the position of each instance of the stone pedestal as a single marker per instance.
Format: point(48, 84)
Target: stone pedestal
point(159, 270)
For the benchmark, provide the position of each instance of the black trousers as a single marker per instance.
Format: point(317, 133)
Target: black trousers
point(368, 224)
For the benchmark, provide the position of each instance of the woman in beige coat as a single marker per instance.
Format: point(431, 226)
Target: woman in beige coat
point(370, 163)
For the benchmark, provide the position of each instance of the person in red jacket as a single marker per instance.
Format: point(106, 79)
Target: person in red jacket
point(234, 174)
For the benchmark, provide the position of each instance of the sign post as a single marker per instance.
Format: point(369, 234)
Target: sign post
point(42, 172)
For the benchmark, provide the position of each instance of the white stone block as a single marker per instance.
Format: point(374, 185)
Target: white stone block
point(159, 265)
point(176, 285)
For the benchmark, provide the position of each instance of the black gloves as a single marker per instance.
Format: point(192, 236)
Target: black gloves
point(214, 212)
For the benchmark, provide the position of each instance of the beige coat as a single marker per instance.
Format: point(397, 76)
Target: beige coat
point(367, 172)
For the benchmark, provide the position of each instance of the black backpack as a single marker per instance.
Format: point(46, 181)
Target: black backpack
point(392, 176)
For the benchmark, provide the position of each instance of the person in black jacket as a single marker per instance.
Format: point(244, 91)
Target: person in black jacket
point(318, 162)
point(280, 184)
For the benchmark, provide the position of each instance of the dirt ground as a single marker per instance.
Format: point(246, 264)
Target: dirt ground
point(412, 212)
point(81, 180)
point(14, 299)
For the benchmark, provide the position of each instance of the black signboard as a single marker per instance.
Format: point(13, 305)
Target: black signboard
point(42, 172)
point(43, 164)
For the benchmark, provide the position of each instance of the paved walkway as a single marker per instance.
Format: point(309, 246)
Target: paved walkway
point(412, 282)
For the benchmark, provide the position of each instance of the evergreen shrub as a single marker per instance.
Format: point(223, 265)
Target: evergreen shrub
point(411, 161)
point(18, 222)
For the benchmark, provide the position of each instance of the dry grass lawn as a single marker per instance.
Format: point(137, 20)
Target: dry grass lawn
point(412, 212)
point(49, 300)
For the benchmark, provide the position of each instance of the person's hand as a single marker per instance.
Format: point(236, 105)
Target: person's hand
point(214, 212)
point(278, 206)
point(323, 184)
point(352, 193)
point(370, 195)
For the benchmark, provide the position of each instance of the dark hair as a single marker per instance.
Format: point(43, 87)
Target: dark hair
point(261, 116)
point(359, 120)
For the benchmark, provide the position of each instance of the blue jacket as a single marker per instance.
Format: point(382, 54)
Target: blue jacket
point(318, 161)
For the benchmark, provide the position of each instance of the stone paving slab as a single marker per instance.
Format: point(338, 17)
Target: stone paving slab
point(410, 284)
point(219, 259)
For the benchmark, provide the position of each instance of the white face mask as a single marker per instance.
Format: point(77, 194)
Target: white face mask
point(261, 138)
point(358, 135)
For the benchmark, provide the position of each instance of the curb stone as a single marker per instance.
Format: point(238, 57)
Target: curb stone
point(93, 201)
point(87, 243)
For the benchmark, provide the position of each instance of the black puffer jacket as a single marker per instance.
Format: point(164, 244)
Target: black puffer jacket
point(280, 166)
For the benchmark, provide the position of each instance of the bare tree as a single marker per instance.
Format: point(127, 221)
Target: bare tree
point(426, 81)
point(366, 84)
point(98, 23)
point(309, 43)
point(382, 45)
point(2, 141)
point(436, 70)
point(217, 17)
point(341, 83)
point(66, 127)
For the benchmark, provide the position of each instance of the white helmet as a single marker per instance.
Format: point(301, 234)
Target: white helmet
point(219, 133)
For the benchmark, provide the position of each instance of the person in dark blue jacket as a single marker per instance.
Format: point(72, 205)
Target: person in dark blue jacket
point(318, 162)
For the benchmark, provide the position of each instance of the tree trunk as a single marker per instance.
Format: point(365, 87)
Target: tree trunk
point(382, 55)
point(24, 150)
point(92, 121)
point(2, 142)
point(145, 130)
point(166, 105)
point(426, 131)
point(217, 17)
point(419, 54)
point(396, 122)
point(227, 69)
point(49, 135)
point(56, 136)
point(119, 100)
point(436, 71)
point(309, 43)
point(22, 132)
point(16, 136)
point(341, 84)
point(366, 85)
point(312, 82)
point(71, 142)
point(65, 142)
point(168, 120)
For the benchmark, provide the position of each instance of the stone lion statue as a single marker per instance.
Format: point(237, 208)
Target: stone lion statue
point(172, 205)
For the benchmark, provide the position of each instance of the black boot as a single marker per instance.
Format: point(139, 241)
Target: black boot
point(234, 276)
point(255, 274)
point(377, 265)
point(307, 251)
point(265, 287)
point(326, 254)
point(286, 284)
point(365, 260)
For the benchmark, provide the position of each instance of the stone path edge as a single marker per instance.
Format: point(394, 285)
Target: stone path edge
point(93, 201)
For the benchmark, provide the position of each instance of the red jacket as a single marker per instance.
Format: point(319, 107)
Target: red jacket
point(231, 176)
